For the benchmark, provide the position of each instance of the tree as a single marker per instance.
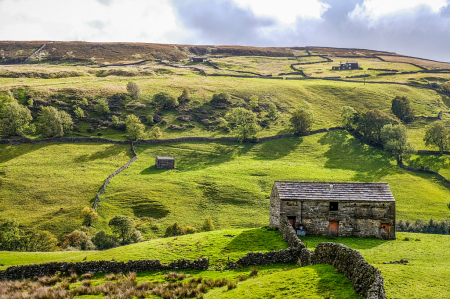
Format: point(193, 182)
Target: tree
point(302, 120)
point(135, 129)
point(84, 102)
point(437, 134)
point(133, 89)
point(5, 98)
point(243, 123)
point(78, 239)
point(395, 140)
point(15, 119)
point(30, 103)
point(254, 102)
point(348, 117)
point(39, 241)
point(165, 101)
point(401, 107)
point(273, 112)
point(79, 113)
point(370, 123)
point(150, 119)
point(9, 234)
point(208, 224)
point(124, 227)
point(53, 123)
point(89, 216)
point(102, 106)
point(104, 241)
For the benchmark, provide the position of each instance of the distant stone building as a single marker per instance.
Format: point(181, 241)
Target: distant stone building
point(349, 65)
point(165, 162)
point(197, 59)
point(364, 210)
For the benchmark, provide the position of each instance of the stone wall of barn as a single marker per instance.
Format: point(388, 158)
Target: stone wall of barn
point(356, 218)
point(274, 217)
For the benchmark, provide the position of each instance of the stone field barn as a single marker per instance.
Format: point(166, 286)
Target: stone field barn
point(364, 210)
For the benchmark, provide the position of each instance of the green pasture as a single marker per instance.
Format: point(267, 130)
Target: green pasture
point(230, 181)
point(425, 276)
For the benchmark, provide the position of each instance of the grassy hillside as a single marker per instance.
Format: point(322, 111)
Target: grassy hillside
point(230, 181)
point(425, 276)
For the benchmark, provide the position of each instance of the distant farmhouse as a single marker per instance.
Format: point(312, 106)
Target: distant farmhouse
point(364, 210)
point(349, 65)
point(197, 59)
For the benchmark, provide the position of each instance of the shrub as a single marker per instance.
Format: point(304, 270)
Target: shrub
point(254, 102)
point(190, 230)
point(79, 113)
point(157, 132)
point(89, 216)
point(242, 277)
point(175, 229)
point(254, 271)
point(150, 119)
point(104, 241)
point(115, 120)
point(273, 112)
point(164, 100)
point(208, 224)
point(302, 120)
point(231, 285)
point(30, 103)
point(185, 96)
point(221, 100)
point(102, 106)
point(133, 89)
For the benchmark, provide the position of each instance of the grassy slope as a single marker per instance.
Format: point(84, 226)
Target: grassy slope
point(38, 180)
point(216, 245)
point(230, 181)
point(425, 276)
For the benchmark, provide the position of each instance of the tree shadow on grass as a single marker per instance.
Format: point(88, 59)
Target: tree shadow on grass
point(149, 208)
point(110, 151)
point(278, 148)
point(10, 152)
point(435, 162)
point(333, 284)
point(349, 153)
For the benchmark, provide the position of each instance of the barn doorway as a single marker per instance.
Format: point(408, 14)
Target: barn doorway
point(292, 221)
point(334, 228)
point(384, 231)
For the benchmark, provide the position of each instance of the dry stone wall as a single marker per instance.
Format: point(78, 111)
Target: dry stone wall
point(30, 271)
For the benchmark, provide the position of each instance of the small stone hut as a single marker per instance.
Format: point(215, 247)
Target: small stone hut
point(364, 210)
point(197, 59)
point(165, 162)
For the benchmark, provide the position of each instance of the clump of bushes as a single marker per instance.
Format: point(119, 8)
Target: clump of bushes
point(175, 229)
point(421, 226)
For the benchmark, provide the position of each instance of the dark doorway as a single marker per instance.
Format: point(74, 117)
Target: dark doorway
point(334, 228)
point(384, 231)
point(292, 221)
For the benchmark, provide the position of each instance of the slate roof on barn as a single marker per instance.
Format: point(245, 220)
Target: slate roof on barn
point(333, 191)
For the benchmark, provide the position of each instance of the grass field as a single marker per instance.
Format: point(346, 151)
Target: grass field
point(425, 276)
point(230, 181)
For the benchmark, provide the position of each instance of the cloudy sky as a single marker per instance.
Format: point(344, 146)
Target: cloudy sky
point(412, 27)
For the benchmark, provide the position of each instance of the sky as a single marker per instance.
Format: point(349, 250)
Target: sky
point(418, 28)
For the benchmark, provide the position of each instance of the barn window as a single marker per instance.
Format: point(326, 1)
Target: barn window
point(334, 206)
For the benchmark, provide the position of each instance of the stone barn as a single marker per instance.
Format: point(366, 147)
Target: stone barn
point(197, 59)
point(165, 162)
point(364, 210)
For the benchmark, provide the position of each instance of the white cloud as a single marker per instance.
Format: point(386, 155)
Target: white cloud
point(372, 10)
point(285, 11)
point(89, 20)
